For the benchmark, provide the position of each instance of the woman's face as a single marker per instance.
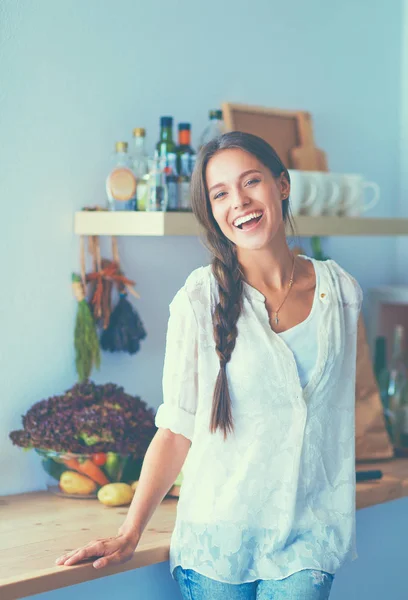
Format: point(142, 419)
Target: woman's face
point(246, 199)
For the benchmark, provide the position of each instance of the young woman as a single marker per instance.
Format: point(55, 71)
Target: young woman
point(258, 405)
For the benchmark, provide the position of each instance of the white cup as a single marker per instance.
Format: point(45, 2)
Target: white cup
point(328, 194)
point(303, 191)
point(353, 191)
point(336, 207)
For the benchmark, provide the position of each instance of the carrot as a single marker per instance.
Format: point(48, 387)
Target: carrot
point(93, 471)
point(72, 463)
point(88, 468)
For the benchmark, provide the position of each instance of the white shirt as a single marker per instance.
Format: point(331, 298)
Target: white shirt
point(278, 495)
point(302, 340)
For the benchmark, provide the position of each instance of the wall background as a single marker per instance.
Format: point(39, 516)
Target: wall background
point(78, 76)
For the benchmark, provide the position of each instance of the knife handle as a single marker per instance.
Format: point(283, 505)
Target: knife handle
point(368, 475)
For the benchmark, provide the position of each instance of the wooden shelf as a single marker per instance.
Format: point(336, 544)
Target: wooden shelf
point(135, 223)
point(159, 224)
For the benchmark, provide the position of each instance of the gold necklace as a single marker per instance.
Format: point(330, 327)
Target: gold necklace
point(287, 293)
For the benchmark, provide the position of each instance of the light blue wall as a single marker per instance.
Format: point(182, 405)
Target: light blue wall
point(77, 76)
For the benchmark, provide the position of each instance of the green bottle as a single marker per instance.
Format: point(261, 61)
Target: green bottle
point(165, 143)
point(397, 389)
point(383, 377)
point(380, 356)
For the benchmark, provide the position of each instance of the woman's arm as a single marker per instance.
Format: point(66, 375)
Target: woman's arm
point(163, 461)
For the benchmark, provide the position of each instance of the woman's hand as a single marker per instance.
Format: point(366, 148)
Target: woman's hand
point(112, 551)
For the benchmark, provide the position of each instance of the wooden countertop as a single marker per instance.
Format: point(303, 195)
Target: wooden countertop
point(38, 527)
point(393, 485)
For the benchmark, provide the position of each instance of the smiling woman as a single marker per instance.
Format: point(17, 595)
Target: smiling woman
point(268, 497)
point(240, 195)
point(258, 400)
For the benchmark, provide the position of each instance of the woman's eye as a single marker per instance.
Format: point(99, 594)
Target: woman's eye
point(219, 195)
point(252, 181)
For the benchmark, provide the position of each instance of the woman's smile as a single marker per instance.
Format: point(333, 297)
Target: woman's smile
point(249, 221)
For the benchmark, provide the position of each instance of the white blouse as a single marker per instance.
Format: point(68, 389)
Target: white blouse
point(278, 495)
point(302, 340)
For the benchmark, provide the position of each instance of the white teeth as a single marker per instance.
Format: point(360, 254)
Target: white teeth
point(246, 218)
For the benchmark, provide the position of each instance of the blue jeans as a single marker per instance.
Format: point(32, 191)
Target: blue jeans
point(307, 584)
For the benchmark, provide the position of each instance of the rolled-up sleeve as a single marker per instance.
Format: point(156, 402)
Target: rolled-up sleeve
point(180, 376)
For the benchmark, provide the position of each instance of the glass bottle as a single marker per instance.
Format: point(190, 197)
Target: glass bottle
point(121, 181)
point(382, 376)
point(166, 143)
point(397, 388)
point(172, 182)
point(193, 159)
point(404, 421)
point(380, 356)
point(184, 143)
point(214, 128)
point(184, 183)
point(140, 165)
point(157, 195)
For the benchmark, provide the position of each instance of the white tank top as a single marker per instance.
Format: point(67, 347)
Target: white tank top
point(302, 341)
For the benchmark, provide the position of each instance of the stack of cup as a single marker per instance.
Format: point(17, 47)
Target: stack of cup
point(316, 193)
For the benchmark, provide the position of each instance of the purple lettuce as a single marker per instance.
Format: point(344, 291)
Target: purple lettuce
point(89, 418)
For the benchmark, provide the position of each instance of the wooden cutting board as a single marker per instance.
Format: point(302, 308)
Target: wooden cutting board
point(307, 157)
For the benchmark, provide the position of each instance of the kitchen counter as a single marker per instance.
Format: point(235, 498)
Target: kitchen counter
point(38, 527)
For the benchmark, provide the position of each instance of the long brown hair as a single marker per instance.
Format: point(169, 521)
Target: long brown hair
point(225, 266)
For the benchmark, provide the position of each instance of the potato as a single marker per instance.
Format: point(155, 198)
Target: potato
point(74, 483)
point(115, 494)
point(134, 485)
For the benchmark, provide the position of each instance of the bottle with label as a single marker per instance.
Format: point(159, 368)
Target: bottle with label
point(140, 166)
point(397, 398)
point(166, 145)
point(157, 195)
point(184, 183)
point(382, 376)
point(184, 143)
point(214, 128)
point(121, 181)
point(172, 182)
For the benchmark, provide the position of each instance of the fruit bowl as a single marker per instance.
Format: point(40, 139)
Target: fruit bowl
point(81, 475)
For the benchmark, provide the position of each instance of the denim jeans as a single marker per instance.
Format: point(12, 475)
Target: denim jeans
point(308, 584)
